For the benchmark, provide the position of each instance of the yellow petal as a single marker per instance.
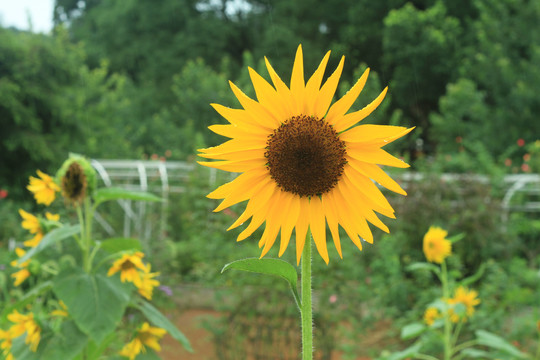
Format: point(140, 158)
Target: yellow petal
point(258, 112)
point(331, 218)
point(239, 117)
point(235, 145)
point(273, 223)
point(282, 90)
point(297, 81)
point(326, 94)
point(317, 225)
point(233, 131)
point(235, 166)
point(293, 211)
point(314, 84)
point(375, 156)
point(268, 96)
point(374, 172)
point(256, 221)
point(261, 194)
point(345, 122)
point(366, 187)
point(241, 191)
point(237, 155)
point(242, 180)
point(343, 105)
point(345, 220)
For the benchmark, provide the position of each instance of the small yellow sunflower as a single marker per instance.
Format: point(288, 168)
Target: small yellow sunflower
point(7, 342)
point(467, 297)
point(146, 336)
point(148, 283)
point(44, 189)
point(304, 163)
point(23, 273)
point(436, 246)
point(62, 312)
point(129, 266)
point(25, 323)
point(430, 315)
point(33, 225)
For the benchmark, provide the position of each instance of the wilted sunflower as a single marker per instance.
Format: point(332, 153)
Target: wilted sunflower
point(304, 163)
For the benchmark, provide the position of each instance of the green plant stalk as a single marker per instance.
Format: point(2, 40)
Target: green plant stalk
point(83, 244)
point(305, 309)
point(89, 215)
point(447, 324)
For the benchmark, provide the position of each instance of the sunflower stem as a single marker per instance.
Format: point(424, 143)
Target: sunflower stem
point(447, 324)
point(306, 310)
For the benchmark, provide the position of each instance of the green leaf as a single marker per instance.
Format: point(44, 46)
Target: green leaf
point(412, 330)
point(275, 267)
point(51, 238)
point(21, 351)
point(475, 353)
point(475, 277)
point(29, 296)
point(454, 239)
point(409, 352)
point(159, 320)
point(496, 342)
point(148, 355)
point(112, 193)
point(424, 266)
point(115, 245)
point(96, 302)
point(66, 344)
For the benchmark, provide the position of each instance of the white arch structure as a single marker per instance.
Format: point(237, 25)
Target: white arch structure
point(170, 177)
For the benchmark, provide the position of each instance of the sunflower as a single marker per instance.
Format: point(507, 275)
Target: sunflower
point(32, 224)
point(436, 246)
point(25, 323)
point(148, 283)
point(469, 298)
point(129, 266)
point(146, 336)
point(304, 163)
point(430, 315)
point(7, 342)
point(44, 189)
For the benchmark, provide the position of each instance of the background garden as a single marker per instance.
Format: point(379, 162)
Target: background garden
point(133, 80)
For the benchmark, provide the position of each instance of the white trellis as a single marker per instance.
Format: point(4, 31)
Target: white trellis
point(171, 177)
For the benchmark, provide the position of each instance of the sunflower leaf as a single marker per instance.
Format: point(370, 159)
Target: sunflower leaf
point(496, 342)
point(275, 267)
point(423, 266)
point(454, 239)
point(159, 320)
point(112, 193)
point(412, 330)
point(115, 245)
point(50, 238)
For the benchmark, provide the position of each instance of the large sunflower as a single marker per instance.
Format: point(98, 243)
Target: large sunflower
point(304, 163)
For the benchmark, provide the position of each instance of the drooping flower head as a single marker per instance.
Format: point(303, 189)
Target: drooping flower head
point(146, 336)
point(130, 267)
point(25, 323)
point(7, 342)
point(304, 162)
point(78, 179)
point(44, 188)
point(436, 246)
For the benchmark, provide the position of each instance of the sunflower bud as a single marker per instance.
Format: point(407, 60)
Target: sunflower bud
point(77, 178)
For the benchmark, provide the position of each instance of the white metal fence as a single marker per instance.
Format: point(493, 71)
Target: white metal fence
point(163, 178)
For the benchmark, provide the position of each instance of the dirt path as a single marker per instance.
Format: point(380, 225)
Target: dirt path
point(190, 323)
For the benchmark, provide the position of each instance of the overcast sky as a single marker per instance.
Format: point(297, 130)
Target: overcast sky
point(16, 12)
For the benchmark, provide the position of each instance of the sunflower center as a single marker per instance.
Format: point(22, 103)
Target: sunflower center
point(305, 156)
point(127, 265)
point(74, 183)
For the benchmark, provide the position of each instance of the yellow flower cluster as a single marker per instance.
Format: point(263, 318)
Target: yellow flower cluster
point(436, 246)
point(22, 323)
point(463, 296)
point(146, 336)
point(133, 269)
point(44, 188)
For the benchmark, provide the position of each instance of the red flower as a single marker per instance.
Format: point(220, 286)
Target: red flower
point(508, 162)
point(525, 167)
point(520, 142)
point(459, 139)
point(3, 194)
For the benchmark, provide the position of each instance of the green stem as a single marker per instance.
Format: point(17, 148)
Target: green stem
point(306, 310)
point(455, 337)
point(465, 345)
point(447, 324)
point(425, 357)
point(83, 241)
